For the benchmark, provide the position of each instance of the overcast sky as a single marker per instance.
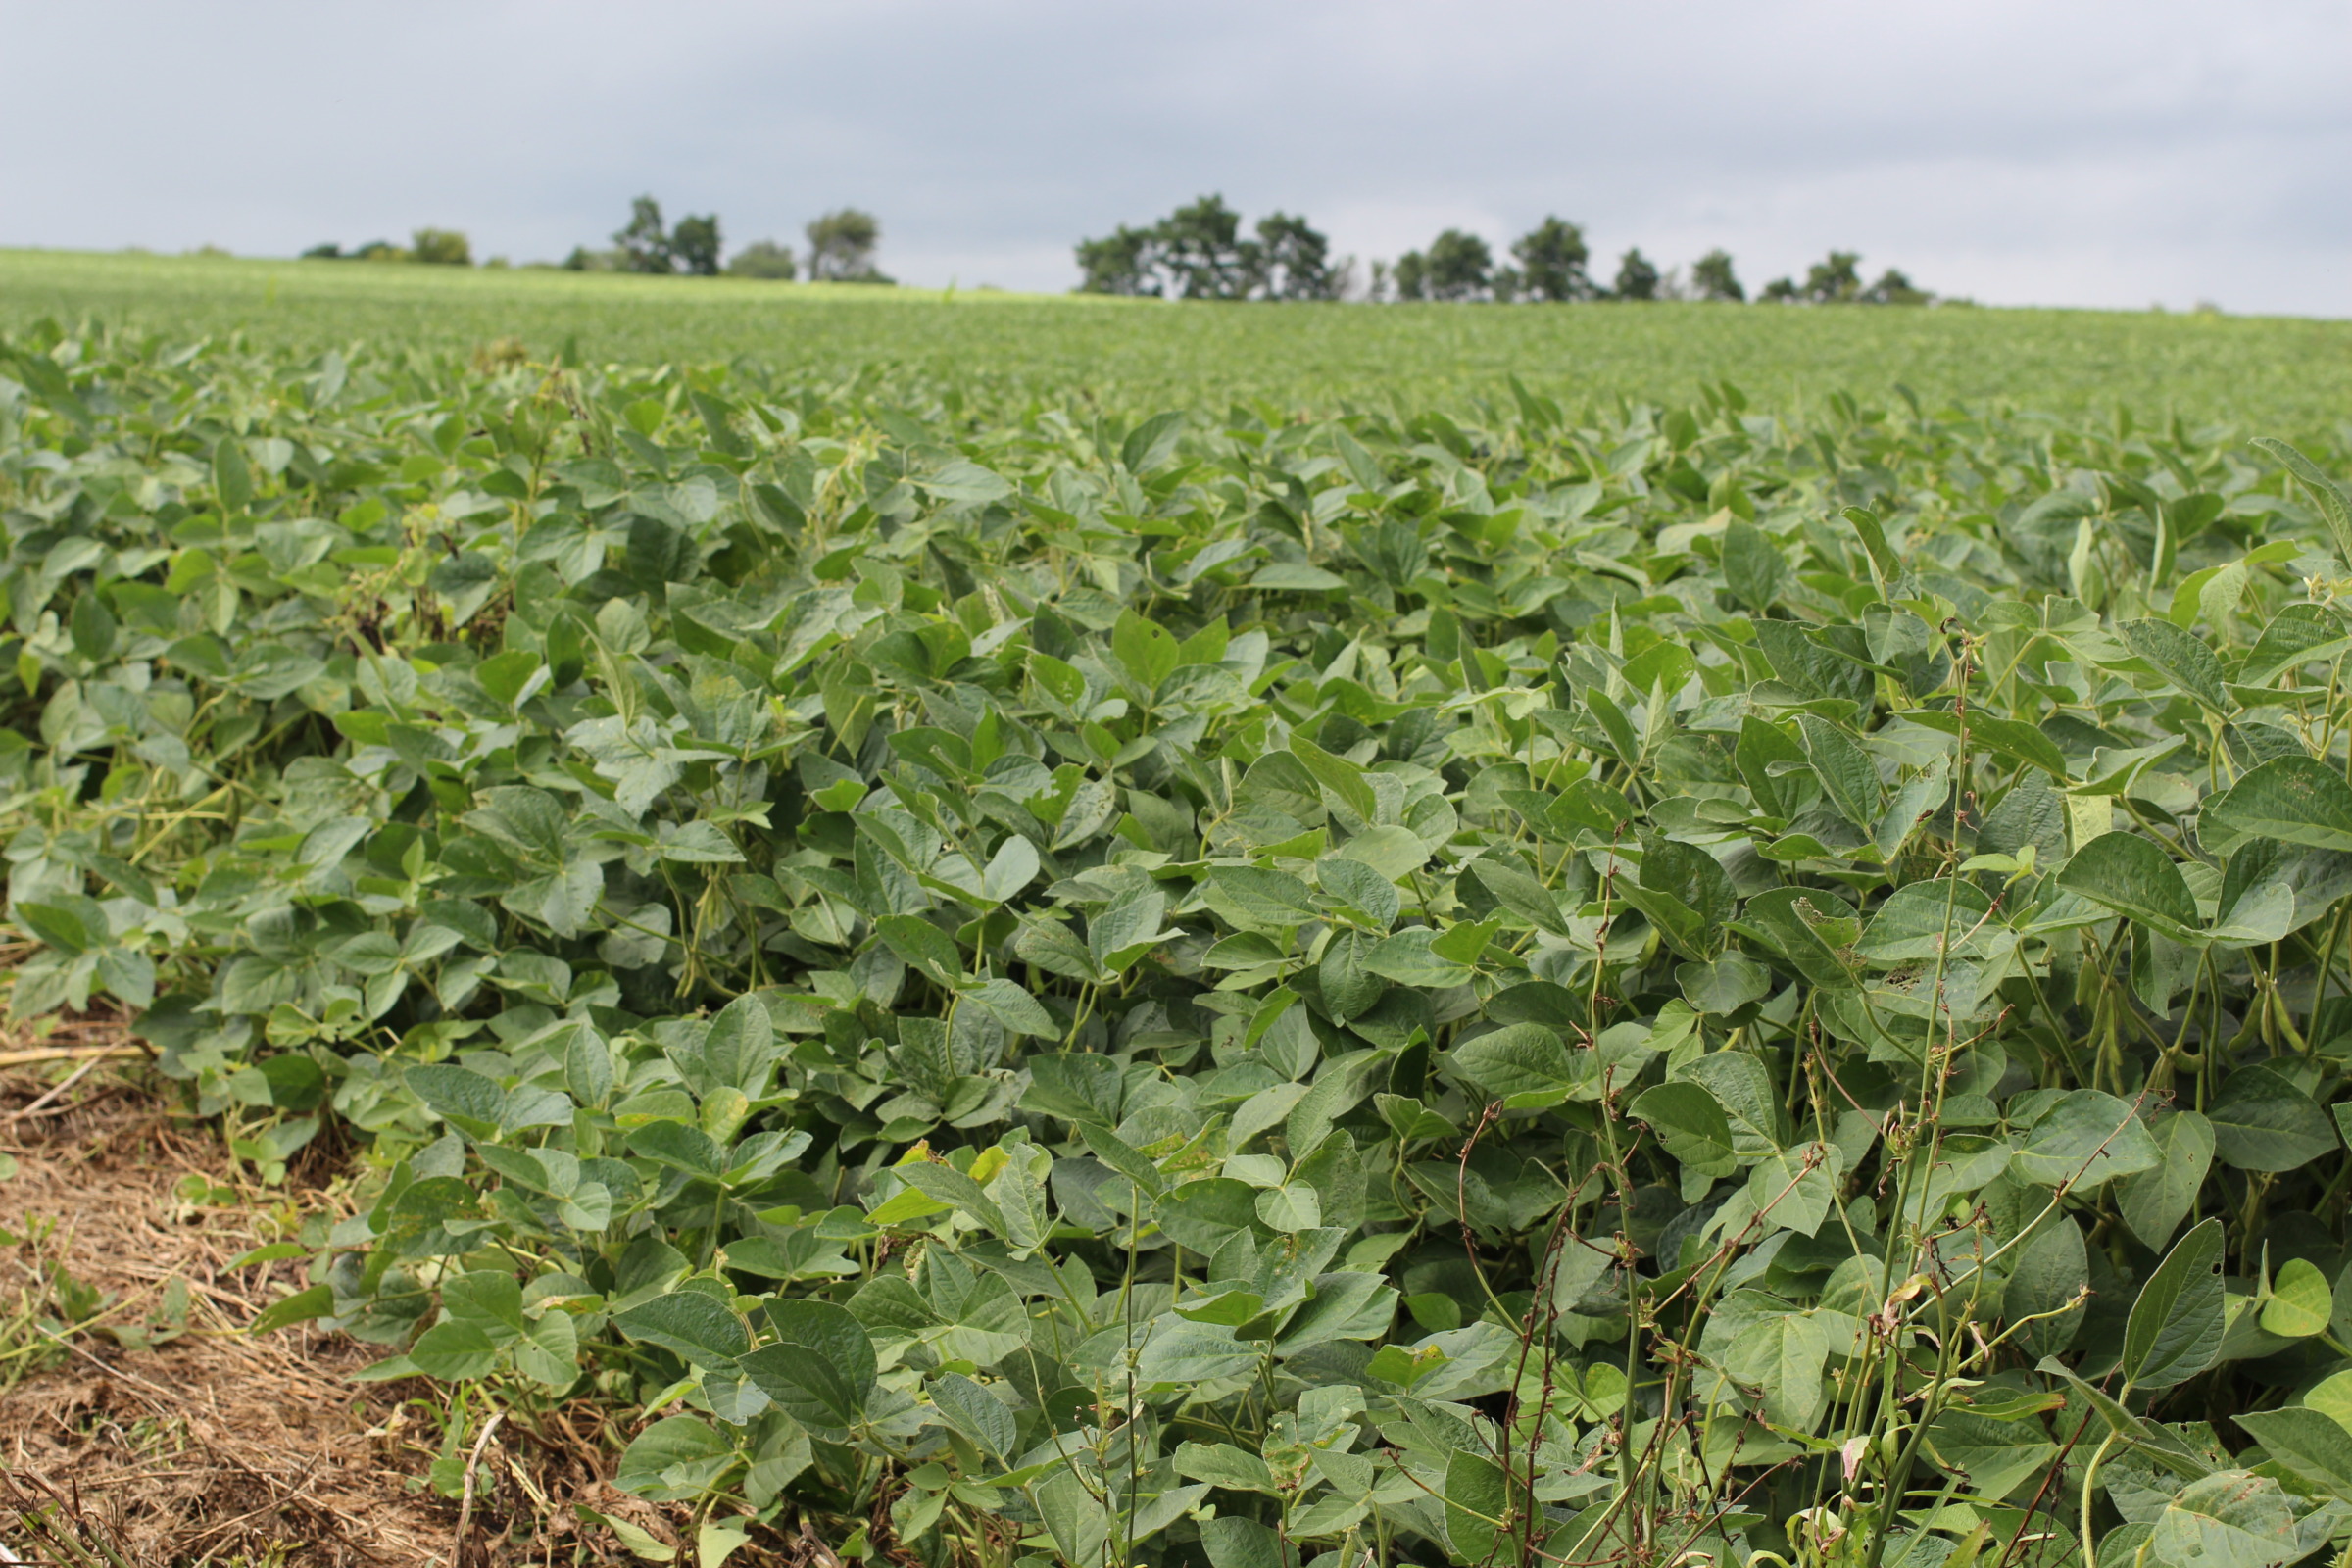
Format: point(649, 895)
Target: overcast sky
point(2090, 152)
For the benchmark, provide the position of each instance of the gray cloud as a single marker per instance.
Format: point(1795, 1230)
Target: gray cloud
point(2070, 151)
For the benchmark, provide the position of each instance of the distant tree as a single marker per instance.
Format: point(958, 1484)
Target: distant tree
point(1894, 287)
point(440, 247)
point(841, 247)
point(1712, 278)
point(1124, 262)
point(695, 243)
point(1383, 280)
point(1412, 276)
point(1834, 280)
point(1637, 276)
point(1459, 265)
point(1506, 284)
point(763, 258)
point(1551, 259)
point(1199, 252)
point(1201, 248)
point(379, 250)
point(1293, 260)
point(324, 251)
point(1780, 291)
point(643, 246)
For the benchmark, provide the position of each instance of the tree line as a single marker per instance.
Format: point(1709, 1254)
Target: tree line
point(841, 248)
point(1200, 252)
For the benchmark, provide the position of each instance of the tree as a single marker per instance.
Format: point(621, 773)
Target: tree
point(643, 246)
point(1412, 276)
point(1201, 248)
point(1551, 259)
point(1637, 276)
point(1894, 287)
point(1780, 291)
point(1295, 260)
point(695, 243)
point(1124, 262)
point(440, 247)
point(1834, 280)
point(763, 258)
point(1712, 278)
point(841, 247)
point(1198, 251)
point(1459, 265)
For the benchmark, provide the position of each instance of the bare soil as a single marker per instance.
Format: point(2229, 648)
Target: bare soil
point(158, 1431)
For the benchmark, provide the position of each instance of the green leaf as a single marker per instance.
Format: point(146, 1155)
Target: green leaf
point(1794, 1188)
point(2227, 1520)
point(1222, 1464)
point(2296, 800)
point(454, 1352)
point(1011, 870)
point(690, 1325)
point(924, 947)
point(1233, 1541)
point(1997, 1456)
point(2175, 1329)
point(1013, 1007)
point(1477, 1505)
point(2052, 1271)
point(1520, 1063)
point(474, 1103)
point(1522, 894)
point(2133, 877)
point(1724, 985)
point(1343, 778)
point(700, 844)
point(1145, 649)
point(2087, 1139)
point(2180, 657)
point(641, 1543)
point(2335, 509)
point(2154, 1202)
point(980, 1416)
point(1917, 919)
point(1299, 577)
point(2262, 1120)
point(2012, 738)
point(1691, 1125)
point(1127, 928)
point(1847, 774)
point(1182, 1353)
point(1783, 1353)
point(73, 925)
point(1409, 957)
point(1753, 567)
point(315, 1302)
point(2306, 1441)
point(1813, 930)
point(673, 1460)
point(1257, 899)
point(2300, 1303)
point(820, 1368)
point(2298, 635)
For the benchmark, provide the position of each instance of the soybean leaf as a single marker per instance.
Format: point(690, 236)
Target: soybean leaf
point(2175, 1328)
